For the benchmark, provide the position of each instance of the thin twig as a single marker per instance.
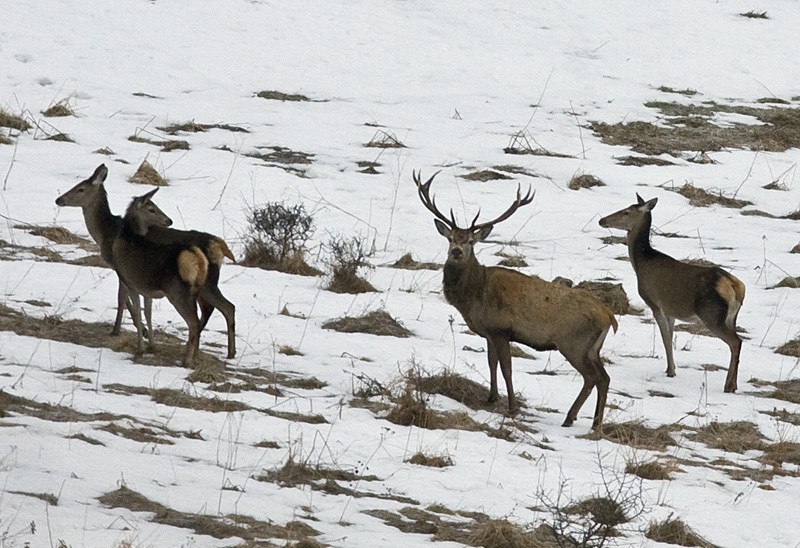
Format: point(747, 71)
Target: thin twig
point(13, 159)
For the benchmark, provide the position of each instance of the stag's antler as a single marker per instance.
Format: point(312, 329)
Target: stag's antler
point(518, 203)
point(424, 190)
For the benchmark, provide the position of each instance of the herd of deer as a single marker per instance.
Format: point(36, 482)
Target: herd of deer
point(499, 304)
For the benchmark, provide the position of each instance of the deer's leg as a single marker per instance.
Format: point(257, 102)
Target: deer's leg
point(713, 313)
point(136, 315)
point(122, 298)
point(666, 326)
point(206, 304)
point(186, 305)
point(491, 353)
point(502, 348)
point(148, 317)
point(603, 381)
point(210, 296)
point(578, 359)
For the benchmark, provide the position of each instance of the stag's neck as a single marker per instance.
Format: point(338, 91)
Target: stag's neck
point(463, 284)
point(100, 222)
point(639, 248)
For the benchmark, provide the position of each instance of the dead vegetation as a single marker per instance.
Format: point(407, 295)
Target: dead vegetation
point(13, 121)
point(58, 109)
point(384, 139)
point(60, 137)
point(49, 498)
point(167, 145)
point(733, 437)
point(699, 197)
point(194, 127)
point(640, 161)
point(432, 461)
point(58, 235)
point(348, 256)
point(695, 128)
point(280, 96)
point(752, 14)
point(407, 262)
point(220, 527)
point(675, 531)
point(636, 434)
point(278, 155)
point(584, 180)
point(146, 174)
point(788, 390)
point(520, 144)
point(688, 92)
point(485, 175)
point(654, 469)
point(377, 322)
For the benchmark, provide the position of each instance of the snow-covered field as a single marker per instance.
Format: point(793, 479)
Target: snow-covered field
point(453, 82)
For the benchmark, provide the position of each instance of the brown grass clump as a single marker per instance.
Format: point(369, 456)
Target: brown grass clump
point(699, 197)
point(584, 181)
point(520, 143)
point(49, 498)
point(384, 139)
point(501, 533)
point(105, 151)
point(604, 511)
point(141, 434)
point(454, 386)
point(60, 137)
point(407, 262)
point(775, 454)
point(294, 473)
point(410, 409)
point(58, 109)
point(651, 469)
point(146, 174)
point(795, 249)
point(752, 14)
point(289, 350)
point(377, 322)
point(194, 127)
point(734, 437)
point(485, 175)
point(675, 531)
point(13, 121)
point(5, 140)
point(640, 161)
point(280, 96)
point(636, 434)
point(166, 145)
point(789, 281)
point(344, 281)
point(432, 461)
point(784, 415)
point(58, 235)
point(280, 155)
point(788, 390)
point(688, 92)
point(610, 294)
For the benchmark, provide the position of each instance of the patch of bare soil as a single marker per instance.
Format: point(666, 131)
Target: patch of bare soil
point(485, 175)
point(377, 322)
point(221, 527)
point(407, 262)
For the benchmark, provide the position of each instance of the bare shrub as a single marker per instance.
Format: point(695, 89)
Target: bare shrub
point(675, 531)
point(277, 238)
point(347, 257)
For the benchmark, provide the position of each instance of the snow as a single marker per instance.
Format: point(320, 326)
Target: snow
point(409, 67)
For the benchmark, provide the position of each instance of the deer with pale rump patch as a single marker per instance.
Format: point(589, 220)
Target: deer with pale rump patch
point(677, 290)
point(504, 306)
point(103, 226)
point(176, 271)
point(147, 222)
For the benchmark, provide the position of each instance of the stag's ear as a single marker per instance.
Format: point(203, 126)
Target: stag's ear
point(482, 233)
point(443, 229)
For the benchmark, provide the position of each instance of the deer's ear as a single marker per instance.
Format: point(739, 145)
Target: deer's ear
point(649, 205)
point(639, 199)
point(99, 175)
point(443, 229)
point(483, 233)
point(147, 197)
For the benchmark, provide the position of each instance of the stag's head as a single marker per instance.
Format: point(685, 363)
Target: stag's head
point(629, 217)
point(462, 240)
point(85, 192)
point(144, 213)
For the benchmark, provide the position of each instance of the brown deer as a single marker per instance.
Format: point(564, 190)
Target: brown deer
point(149, 222)
point(91, 196)
point(176, 271)
point(674, 289)
point(503, 305)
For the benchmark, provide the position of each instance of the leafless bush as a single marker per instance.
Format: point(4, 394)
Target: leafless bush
point(277, 238)
point(347, 257)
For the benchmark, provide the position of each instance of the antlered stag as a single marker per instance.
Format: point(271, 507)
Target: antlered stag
point(674, 289)
point(503, 305)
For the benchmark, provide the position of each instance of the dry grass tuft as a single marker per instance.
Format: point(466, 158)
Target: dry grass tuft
point(105, 151)
point(485, 175)
point(58, 235)
point(675, 531)
point(610, 294)
point(166, 145)
point(140, 434)
point(280, 96)
point(58, 109)
point(384, 139)
point(640, 161)
point(289, 350)
point(788, 390)
point(49, 498)
point(752, 14)
point(500, 533)
point(280, 155)
point(584, 181)
point(784, 415)
point(407, 262)
point(60, 137)
point(604, 511)
point(294, 473)
point(5, 140)
point(344, 281)
point(636, 434)
point(194, 127)
point(699, 197)
point(433, 461)
point(454, 386)
point(775, 454)
point(652, 469)
point(520, 144)
point(377, 322)
point(734, 437)
point(13, 121)
point(688, 92)
point(146, 174)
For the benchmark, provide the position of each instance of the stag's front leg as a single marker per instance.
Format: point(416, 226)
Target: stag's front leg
point(491, 352)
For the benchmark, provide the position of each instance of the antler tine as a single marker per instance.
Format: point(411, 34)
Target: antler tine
point(518, 203)
point(430, 203)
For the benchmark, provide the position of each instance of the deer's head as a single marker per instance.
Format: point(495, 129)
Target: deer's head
point(84, 193)
point(462, 240)
point(144, 213)
point(629, 217)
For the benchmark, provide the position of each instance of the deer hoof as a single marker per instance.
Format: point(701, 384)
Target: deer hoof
point(670, 374)
point(568, 422)
point(730, 389)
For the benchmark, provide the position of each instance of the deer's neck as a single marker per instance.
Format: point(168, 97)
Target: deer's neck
point(101, 223)
point(463, 284)
point(639, 248)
